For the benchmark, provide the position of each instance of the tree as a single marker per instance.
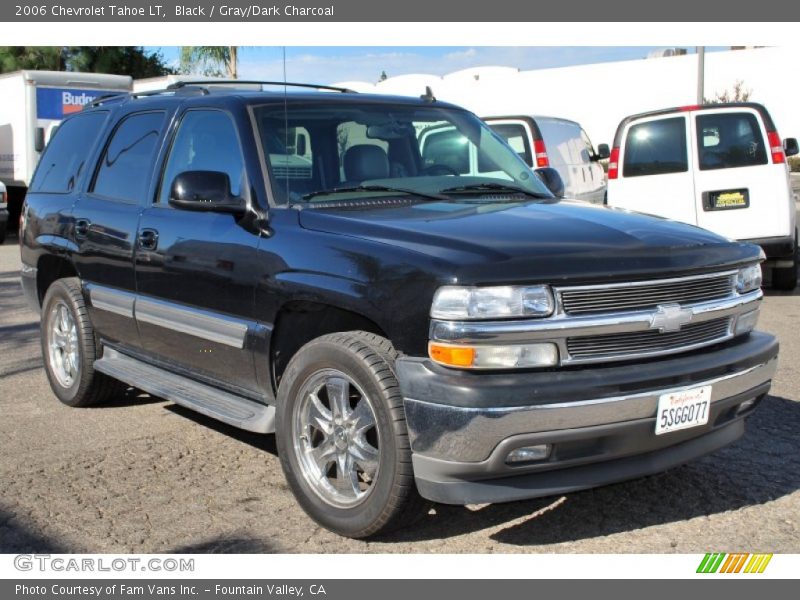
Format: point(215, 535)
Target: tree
point(120, 60)
point(738, 94)
point(210, 61)
point(16, 58)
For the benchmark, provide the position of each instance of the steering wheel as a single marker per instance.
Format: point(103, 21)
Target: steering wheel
point(439, 170)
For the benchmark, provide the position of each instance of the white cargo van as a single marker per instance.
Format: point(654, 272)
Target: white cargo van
point(560, 144)
point(34, 103)
point(722, 167)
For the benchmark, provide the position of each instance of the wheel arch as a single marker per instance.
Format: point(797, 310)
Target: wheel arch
point(300, 321)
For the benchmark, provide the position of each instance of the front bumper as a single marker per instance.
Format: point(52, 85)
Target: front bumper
point(600, 421)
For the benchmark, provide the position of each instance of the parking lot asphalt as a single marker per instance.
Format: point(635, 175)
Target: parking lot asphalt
point(143, 475)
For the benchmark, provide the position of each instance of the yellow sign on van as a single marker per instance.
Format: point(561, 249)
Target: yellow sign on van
point(730, 200)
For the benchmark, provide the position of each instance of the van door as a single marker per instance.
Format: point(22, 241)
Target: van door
point(595, 176)
point(655, 170)
point(739, 193)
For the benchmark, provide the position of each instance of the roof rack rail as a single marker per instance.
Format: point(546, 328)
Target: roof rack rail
point(106, 98)
point(233, 82)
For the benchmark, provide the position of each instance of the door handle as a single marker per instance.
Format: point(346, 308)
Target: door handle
point(148, 239)
point(82, 228)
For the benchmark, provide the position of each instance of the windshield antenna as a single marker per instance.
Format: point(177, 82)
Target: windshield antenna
point(428, 95)
point(286, 119)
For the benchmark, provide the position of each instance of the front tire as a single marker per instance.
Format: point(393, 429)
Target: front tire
point(342, 437)
point(68, 348)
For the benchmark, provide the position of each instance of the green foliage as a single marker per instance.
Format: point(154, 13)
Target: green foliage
point(738, 94)
point(119, 60)
point(16, 58)
point(794, 164)
point(210, 61)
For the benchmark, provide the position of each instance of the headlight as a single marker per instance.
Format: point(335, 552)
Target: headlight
point(454, 302)
point(748, 279)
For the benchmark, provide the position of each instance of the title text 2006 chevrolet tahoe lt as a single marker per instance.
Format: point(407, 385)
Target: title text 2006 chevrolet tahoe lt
point(388, 287)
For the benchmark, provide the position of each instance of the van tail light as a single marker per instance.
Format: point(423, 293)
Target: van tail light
point(540, 150)
point(776, 147)
point(613, 163)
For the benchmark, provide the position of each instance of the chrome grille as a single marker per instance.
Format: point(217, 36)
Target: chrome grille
point(647, 295)
point(647, 343)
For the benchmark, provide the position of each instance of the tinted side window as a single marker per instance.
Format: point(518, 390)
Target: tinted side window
point(727, 140)
point(124, 171)
point(66, 154)
point(516, 137)
point(656, 148)
point(206, 141)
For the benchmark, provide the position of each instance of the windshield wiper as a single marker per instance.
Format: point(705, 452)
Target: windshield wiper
point(494, 187)
point(376, 188)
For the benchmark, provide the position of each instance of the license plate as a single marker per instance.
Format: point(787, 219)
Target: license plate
point(726, 199)
point(682, 410)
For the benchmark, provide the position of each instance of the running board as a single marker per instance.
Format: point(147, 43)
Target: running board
point(210, 401)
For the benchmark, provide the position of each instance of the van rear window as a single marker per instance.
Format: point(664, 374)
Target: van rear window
point(515, 136)
point(656, 148)
point(729, 140)
point(65, 156)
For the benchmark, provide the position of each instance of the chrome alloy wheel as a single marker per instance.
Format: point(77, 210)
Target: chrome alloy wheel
point(335, 438)
point(62, 345)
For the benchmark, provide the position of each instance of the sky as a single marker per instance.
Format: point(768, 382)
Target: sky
point(331, 64)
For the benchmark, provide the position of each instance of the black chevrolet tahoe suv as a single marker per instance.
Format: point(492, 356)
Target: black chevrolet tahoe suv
point(384, 284)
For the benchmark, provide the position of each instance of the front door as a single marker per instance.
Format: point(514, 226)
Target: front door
point(195, 270)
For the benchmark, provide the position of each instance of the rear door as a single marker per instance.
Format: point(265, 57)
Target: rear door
point(739, 192)
point(105, 221)
point(655, 169)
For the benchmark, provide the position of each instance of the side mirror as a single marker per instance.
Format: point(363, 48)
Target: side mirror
point(205, 191)
point(552, 180)
point(790, 147)
point(603, 151)
point(38, 139)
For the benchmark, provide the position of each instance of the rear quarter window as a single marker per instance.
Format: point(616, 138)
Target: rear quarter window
point(65, 157)
point(729, 140)
point(656, 148)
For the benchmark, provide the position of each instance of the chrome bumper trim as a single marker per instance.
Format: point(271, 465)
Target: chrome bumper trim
point(470, 434)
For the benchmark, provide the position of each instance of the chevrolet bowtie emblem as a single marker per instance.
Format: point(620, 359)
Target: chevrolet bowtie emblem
point(670, 317)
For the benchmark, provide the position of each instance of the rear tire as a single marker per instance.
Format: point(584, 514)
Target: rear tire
point(3, 230)
point(69, 350)
point(348, 463)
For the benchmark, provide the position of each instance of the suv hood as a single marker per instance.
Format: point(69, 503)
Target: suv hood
point(550, 241)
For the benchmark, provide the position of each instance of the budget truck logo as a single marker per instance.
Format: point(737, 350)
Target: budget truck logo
point(720, 562)
point(57, 103)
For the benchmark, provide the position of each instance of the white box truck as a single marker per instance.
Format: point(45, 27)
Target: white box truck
point(33, 104)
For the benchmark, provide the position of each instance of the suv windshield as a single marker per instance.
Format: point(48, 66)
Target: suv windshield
point(350, 151)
